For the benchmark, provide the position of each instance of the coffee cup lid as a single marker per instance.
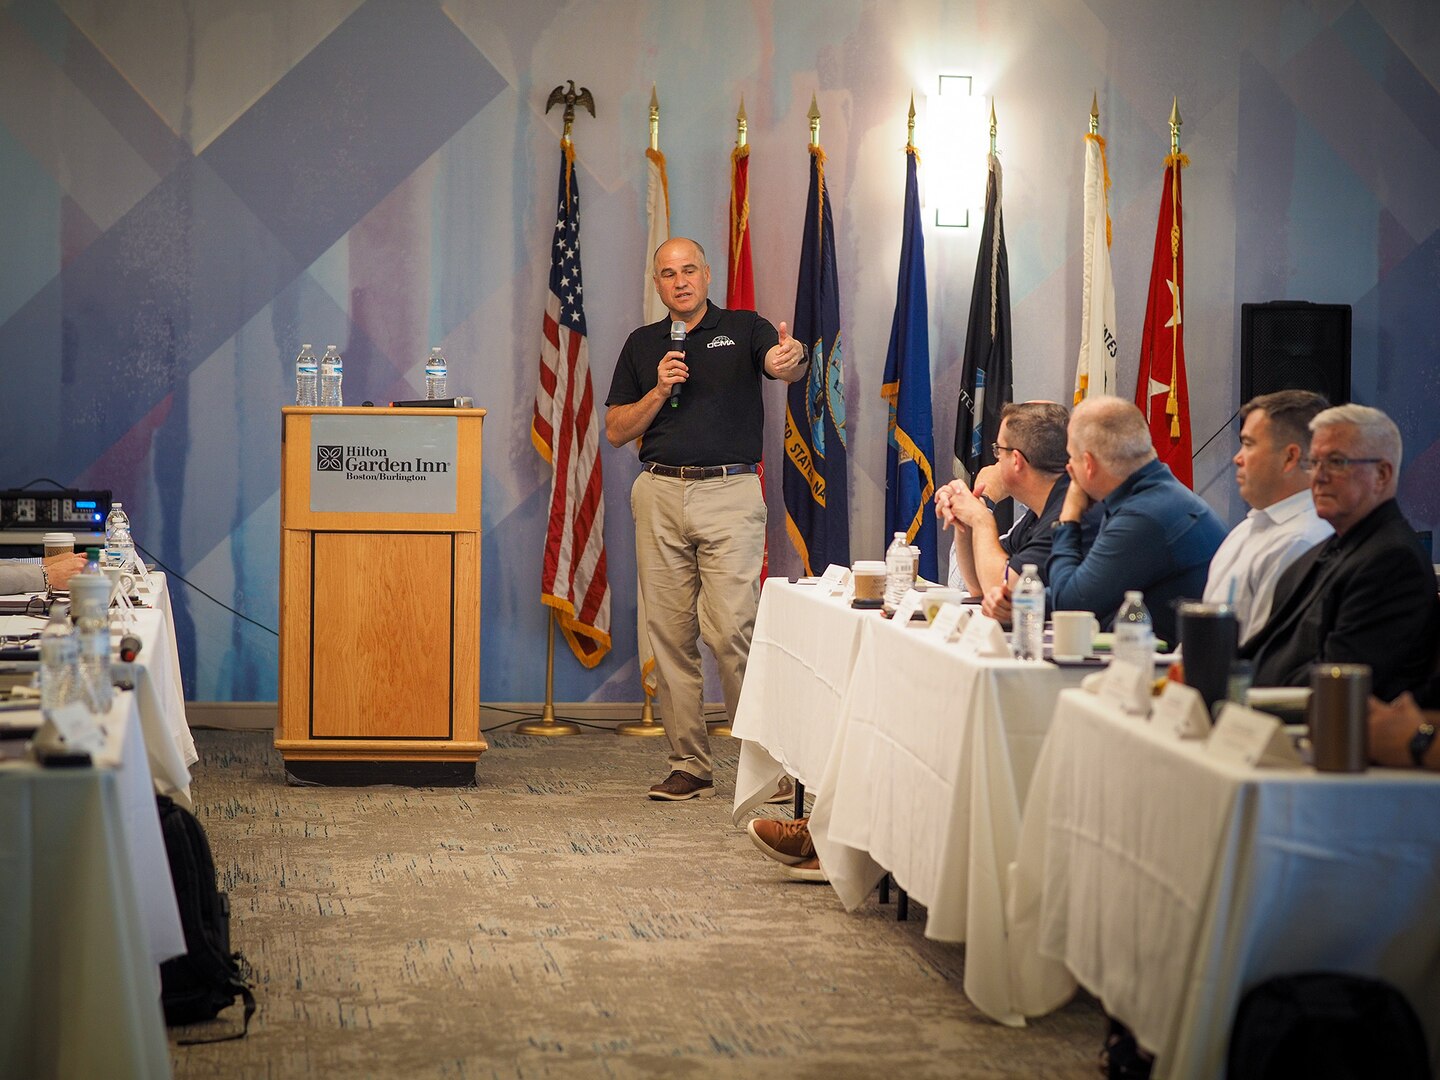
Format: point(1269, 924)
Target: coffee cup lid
point(59, 539)
point(870, 566)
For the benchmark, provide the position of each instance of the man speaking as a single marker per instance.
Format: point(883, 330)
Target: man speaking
point(688, 388)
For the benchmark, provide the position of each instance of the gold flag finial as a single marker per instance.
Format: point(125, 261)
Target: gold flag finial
point(993, 127)
point(570, 98)
point(910, 130)
point(1094, 114)
point(654, 119)
point(814, 115)
point(742, 125)
point(1175, 123)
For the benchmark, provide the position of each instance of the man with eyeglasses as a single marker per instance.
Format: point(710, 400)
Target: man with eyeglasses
point(1029, 468)
point(1156, 535)
point(1366, 595)
point(1282, 524)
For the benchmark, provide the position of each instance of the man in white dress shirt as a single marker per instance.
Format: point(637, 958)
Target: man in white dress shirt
point(1282, 524)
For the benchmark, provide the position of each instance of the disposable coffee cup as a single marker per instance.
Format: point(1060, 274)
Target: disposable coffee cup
point(933, 599)
point(59, 543)
point(1339, 698)
point(1073, 634)
point(869, 580)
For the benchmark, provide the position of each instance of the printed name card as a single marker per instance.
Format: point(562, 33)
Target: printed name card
point(835, 579)
point(1180, 711)
point(76, 723)
point(983, 636)
point(949, 620)
point(1245, 737)
point(910, 603)
point(1127, 687)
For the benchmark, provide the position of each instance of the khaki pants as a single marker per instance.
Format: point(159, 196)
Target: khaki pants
point(699, 545)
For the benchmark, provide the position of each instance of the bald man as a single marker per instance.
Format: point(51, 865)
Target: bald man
point(698, 505)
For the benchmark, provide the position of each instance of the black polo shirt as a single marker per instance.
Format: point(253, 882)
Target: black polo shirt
point(720, 419)
point(1029, 540)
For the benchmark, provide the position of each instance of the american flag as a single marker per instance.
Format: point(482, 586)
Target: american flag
point(564, 431)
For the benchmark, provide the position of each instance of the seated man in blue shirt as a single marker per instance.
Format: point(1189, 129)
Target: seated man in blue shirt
point(1156, 535)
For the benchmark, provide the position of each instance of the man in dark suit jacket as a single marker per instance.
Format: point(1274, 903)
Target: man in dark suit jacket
point(1366, 595)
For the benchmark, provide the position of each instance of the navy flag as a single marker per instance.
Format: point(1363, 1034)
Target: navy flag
point(909, 474)
point(985, 385)
point(817, 502)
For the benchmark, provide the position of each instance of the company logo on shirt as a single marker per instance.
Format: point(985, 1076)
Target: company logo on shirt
point(716, 343)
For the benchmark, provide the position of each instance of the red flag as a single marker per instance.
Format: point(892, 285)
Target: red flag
point(1160, 389)
point(740, 277)
point(565, 432)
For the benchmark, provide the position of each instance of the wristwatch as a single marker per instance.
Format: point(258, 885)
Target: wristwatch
point(1420, 743)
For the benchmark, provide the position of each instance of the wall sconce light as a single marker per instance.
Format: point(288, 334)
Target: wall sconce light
point(957, 151)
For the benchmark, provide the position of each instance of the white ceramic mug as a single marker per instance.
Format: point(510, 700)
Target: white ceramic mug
point(1074, 636)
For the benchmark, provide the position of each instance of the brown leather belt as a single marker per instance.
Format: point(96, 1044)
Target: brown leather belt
point(697, 472)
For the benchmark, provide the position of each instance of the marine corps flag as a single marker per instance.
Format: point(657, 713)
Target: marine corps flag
point(1160, 390)
point(985, 385)
point(565, 431)
point(817, 498)
point(909, 474)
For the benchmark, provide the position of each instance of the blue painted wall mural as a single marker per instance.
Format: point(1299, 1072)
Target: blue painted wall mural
point(191, 190)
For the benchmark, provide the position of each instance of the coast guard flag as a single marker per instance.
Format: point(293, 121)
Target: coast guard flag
point(564, 430)
point(985, 384)
point(1160, 390)
point(1095, 373)
point(909, 475)
point(817, 497)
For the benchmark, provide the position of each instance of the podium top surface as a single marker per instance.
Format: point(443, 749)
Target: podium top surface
point(377, 410)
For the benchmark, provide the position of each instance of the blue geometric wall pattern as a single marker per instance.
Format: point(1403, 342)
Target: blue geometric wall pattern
point(192, 190)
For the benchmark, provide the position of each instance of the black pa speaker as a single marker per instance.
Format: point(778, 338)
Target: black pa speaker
point(1295, 345)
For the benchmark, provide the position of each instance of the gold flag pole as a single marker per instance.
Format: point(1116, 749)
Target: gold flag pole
point(993, 127)
point(1094, 114)
point(546, 724)
point(814, 117)
point(646, 725)
point(1172, 402)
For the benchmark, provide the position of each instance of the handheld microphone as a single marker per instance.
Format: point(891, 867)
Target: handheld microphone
point(677, 341)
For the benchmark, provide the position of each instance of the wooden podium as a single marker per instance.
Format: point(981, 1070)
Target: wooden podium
point(380, 595)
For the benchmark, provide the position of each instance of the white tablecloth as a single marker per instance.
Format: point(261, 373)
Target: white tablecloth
point(801, 654)
point(1168, 883)
point(87, 913)
point(927, 779)
point(159, 691)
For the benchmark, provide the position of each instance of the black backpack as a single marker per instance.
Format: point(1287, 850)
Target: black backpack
point(1326, 1026)
point(208, 978)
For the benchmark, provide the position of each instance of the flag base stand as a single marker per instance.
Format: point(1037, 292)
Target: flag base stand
point(722, 728)
point(545, 723)
point(646, 725)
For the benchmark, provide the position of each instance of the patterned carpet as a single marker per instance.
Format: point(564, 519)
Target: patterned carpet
point(553, 922)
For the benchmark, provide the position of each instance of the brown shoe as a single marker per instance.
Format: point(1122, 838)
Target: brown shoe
point(809, 870)
point(786, 842)
point(785, 793)
point(679, 786)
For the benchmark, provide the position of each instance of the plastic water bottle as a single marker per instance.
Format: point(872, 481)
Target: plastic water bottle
point(332, 373)
point(435, 376)
point(119, 541)
point(1027, 615)
point(92, 629)
point(59, 661)
point(1135, 634)
point(307, 377)
point(899, 571)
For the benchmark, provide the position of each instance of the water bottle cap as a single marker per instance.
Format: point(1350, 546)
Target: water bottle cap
point(116, 505)
point(306, 347)
point(435, 351)
point(899, 536)
point(1029, 568)
point(1134, 594)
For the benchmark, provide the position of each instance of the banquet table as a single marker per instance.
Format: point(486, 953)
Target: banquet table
point(930, 765)
point(1168, 881)
point(802, 651)
point(87, 913)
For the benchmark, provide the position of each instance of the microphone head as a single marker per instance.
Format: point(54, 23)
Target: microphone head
point(129, 648)
point(677, 330)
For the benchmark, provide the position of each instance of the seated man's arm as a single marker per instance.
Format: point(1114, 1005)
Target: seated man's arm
point(18, 577)
point(1386, 616)
point(1392, 727)
point(1129, 553)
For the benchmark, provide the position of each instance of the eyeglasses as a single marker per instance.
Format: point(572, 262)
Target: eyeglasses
point(995, 449)
point(1336, 464)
